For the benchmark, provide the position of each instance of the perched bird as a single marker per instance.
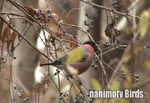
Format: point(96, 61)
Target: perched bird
point(78, 60)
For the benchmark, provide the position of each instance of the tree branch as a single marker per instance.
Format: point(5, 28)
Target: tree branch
point(24, 38)
point(109, 9)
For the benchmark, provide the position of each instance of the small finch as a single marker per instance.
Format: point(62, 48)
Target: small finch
point(78, 60)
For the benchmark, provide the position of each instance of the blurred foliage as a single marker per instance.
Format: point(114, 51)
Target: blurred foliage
point(147, 64)
point(144, 22)
point(119, 101)
point(96, 85)
point(114, 85)
point(60, 41)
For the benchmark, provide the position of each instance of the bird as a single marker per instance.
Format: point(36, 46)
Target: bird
point(76, 61)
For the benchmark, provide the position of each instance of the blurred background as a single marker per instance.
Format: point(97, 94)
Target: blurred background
point(38, 31)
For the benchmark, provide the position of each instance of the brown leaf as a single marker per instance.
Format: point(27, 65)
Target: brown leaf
point(9, 38)
point(30, 9)
point(13, 37)
point(54, 25)
point(112, 32)
point(5, 33)
point(73, 44)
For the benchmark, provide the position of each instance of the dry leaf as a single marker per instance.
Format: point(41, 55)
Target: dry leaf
point(5, 33)
point(73, 44)
point(13, 37)
point(30, 10)
point(8, 38)
point(112, 32)
point(54, 25)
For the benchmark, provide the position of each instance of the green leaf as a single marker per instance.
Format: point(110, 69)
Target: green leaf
point(147, 64)
point(96, 85)
point(144, 22)
point(114, 85)
point(119, 101)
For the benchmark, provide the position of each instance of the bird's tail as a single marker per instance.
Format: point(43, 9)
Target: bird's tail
point(57, 62)
point(43, 64)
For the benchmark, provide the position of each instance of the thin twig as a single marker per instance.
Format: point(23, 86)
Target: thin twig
point(69, 13)
point(32, 18)
point(121, 62)
point(24, 38)
point(111, 10)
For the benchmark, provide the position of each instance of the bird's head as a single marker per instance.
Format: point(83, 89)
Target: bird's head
point(91, 43)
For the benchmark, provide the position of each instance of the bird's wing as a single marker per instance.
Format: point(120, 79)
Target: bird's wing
point(76, 55)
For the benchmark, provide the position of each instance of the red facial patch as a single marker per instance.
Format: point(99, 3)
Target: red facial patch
point(90, 48)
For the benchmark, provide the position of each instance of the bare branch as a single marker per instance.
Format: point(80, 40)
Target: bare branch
point(24, 38)
point(110, 10)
